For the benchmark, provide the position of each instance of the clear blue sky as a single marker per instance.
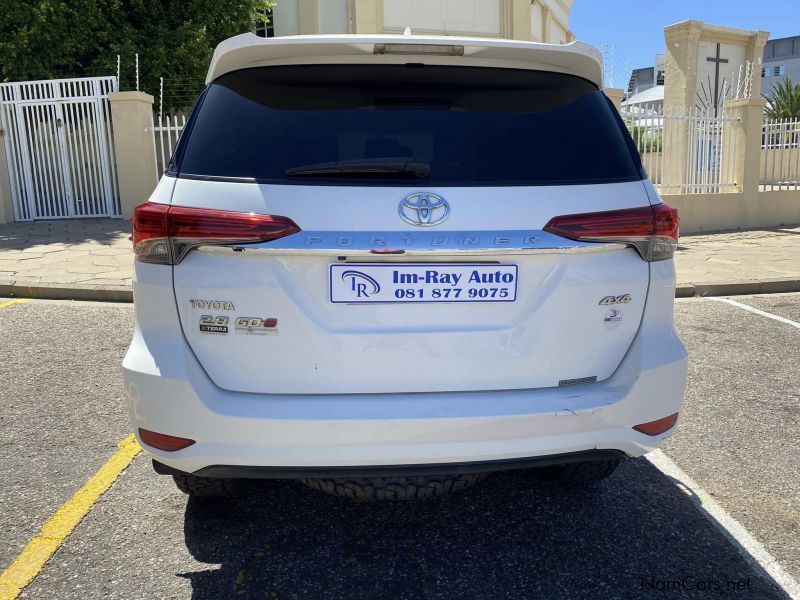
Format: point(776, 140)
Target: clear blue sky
point(636, 27)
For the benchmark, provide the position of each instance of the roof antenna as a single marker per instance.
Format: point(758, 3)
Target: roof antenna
point(407, 32)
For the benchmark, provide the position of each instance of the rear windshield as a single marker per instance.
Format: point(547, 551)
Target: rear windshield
point(405, 124)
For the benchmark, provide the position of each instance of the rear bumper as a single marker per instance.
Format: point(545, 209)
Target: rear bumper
point(510, 464)
point(249, 435)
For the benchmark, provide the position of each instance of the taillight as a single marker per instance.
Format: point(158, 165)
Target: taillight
point(651, 230)
point(164, 234)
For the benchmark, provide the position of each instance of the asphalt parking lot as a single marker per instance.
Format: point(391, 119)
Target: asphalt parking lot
point(642, 533)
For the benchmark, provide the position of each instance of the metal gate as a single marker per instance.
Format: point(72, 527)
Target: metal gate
point(59, 148)
point(691, 152)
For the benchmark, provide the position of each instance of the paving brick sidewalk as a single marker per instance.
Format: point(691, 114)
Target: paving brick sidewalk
point(737, 256)
point(85, 258)
point(91, 258)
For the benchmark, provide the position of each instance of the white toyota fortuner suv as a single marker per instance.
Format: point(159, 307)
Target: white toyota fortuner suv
point(389, 265)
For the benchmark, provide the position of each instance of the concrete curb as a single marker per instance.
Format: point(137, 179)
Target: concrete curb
point(118, 293)
point(55, 291)
point(738, 288)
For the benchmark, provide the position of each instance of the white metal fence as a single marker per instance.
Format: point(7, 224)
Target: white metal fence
point(780, 155)
point(165, 138)
point(59, 147)
point(686, 153)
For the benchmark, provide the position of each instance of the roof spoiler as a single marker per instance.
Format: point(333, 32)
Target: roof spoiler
point(248, 50)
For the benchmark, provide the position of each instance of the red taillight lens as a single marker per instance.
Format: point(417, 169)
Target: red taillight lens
point(165, 234)
point(162, 441)
point(150, 233)
point(658, 426)
point(651, 230)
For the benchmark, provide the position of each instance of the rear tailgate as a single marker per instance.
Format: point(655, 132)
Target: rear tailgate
point(557, 330)
point(454, 168)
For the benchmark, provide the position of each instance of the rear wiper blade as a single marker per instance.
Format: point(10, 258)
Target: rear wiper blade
point(370, 167)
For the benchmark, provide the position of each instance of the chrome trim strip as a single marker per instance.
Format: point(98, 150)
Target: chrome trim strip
point(417, 243)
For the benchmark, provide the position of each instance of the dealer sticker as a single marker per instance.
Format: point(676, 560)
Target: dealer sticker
point(422, 283)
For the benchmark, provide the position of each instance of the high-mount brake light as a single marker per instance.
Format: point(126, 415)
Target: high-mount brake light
point(651, 230)
point(165, 234)
point(419, 49)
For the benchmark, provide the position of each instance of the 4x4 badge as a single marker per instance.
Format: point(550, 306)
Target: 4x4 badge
point(608, 300)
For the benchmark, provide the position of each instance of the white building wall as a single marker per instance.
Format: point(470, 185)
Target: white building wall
point(332, 16)
point(421, 15)
point(486, 18)
point(286, 18)
point(557, 11)
point(556, 33)
point(473, 16)
point(536, 22)
point(443, 16)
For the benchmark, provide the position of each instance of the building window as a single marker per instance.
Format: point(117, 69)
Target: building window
point(265, 28)
point(778, 71)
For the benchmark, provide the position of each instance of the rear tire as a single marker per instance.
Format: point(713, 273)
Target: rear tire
point(580, 473)
point(205, 487)
point(394, 489)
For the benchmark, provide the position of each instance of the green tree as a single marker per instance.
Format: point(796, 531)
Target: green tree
point(44, 39)
point(783, 101)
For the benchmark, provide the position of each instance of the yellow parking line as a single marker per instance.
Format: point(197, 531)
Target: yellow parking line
point(4, 303)
point(39, 550)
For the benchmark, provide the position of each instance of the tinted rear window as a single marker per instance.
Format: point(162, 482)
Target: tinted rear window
point(471, 126)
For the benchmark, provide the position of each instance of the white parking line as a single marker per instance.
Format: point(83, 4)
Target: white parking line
point(749, 547)
point(757, 311)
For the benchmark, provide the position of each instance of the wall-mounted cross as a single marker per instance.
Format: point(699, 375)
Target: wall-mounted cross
point(717, 60)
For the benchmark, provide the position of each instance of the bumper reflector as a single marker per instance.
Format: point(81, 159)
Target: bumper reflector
point(162, 441)
point(659, 426)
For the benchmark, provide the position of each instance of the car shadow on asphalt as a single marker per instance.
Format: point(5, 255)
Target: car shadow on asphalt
point(514, 535)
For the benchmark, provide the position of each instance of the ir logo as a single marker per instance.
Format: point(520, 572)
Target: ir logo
point(361, 284)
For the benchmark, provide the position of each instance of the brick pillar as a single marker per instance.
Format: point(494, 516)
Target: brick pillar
point(680, 69)
point(132, 118)
point(754, 53)
point(742, 152)
point(680, 86)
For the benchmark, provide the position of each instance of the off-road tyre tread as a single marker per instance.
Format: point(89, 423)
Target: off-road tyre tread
point(205, 487)
point(395, 489)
